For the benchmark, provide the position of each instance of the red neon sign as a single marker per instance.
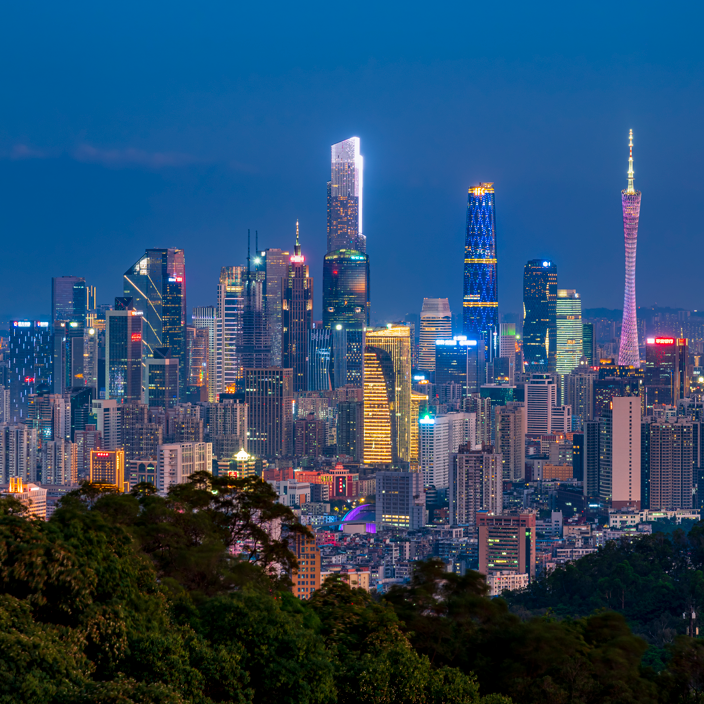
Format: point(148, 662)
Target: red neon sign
point(664, 341)
point(136, 336)
point(28, 379)
point(102, 454)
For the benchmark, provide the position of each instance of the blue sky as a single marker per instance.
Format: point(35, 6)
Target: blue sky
point(156, 124)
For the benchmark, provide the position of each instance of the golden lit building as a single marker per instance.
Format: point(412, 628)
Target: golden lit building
point(107, 467)
point(32, 496)
point(241, 465)
point(379, 414)
point(418, 401)
point(396, 341)
point(306, 579)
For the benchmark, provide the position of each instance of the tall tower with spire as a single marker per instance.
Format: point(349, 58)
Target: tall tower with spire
point(297, 317)
point(630, 201)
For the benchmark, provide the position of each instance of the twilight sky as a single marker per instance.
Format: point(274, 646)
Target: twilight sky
point(131, 125)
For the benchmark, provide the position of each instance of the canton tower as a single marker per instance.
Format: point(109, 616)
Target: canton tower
point(630, 200)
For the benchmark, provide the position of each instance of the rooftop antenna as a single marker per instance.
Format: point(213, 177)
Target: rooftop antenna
point(297, 248)
point(630, 188)
point(248, 241)
point(256, 242)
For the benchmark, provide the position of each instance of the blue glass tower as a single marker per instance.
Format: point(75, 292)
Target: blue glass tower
point(481, 288)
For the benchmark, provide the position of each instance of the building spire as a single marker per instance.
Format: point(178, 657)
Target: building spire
point(630, 189)
point(249, 239)
point(297, 248)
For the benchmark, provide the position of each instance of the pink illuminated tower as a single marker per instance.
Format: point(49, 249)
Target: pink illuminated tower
point(630, 200)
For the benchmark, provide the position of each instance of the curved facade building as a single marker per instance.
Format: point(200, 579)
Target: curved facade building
point(540, 316)
point(481, 287)
point(628, 353)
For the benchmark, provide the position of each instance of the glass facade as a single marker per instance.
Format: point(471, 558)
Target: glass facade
point(540, 316)
point(570, 347)
point(345, 190)
point(481, 292)
point(229, 327)
point(123, 352)
point(31, 365)
point(69, 299)
point(320, 360)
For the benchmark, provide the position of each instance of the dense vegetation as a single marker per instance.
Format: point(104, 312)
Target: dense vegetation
point(138, 598)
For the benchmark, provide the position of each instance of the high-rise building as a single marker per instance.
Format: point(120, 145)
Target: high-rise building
point(380, 435)
point(345, 190)
point(568, 313)
point(350, 429)
point(619, 448)
point(346, 308)
point(510, 422)
point(69, 299)
point(435, 324)
point(628, 353)
point(59, 462)
point(589, 343)
point(309, 437)
point(320, 359)
point(665, 370)
point(507, 349)
point(205, 318)
point(161, 387)
point(229, 329)
point(227, 427)
point(297, 317)
point(396, 341)
point(541, 402)
point(256, 337)
point(157, 285)
point(400, 500)
point(507, 543)
point(671, 466)
point(481, 287)
point(108, 413)
point(107, 468)
point(540, 316)
point(50, 415)
point(177, 461)
point(124, 341)
point(18, 452)
point(578, 391)
point(85, 441)
point(275, 263)
point(199, 361)
point(439, 437)
point(269, 399)
point(31, 364)
point(476, 484)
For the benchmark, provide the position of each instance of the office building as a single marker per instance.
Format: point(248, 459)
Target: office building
point(229, 330)
point(620, 446)
point(157, 285)
point(507, 350)
point(541, 402)
point(205, 318)
point(666, 379)
point(350, 429)
point(199, 361)
point(59, 459)
point(510, 423)
point(570, 347)
point(540, 316)
point(589, 344)
point(346, 308)
point(345, 191)
point(297, 317)
point(400, 500)
point(256, 338)
point(395, 340)
point(578, 392)
point(456, 362)
point(507, 543)
point(628, 353)
point(435, 324)
point(269, 399)
point(379, 408)
point(161, 387)
point(608, 387)
point(177, 461)
point(50, 415)
point(306, 578)
point(31, 364)
point(481, 288)
point(671, 466)
point(107, 468)
point(439, 437)
point(124, 329)
point(590, 457)
point(84, 441)
point(275, 265)
point(69, 300)
point(320, 360)
point(475, 485)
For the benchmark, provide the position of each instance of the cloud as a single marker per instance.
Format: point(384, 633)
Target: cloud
point(22, 151)
point(132, 157)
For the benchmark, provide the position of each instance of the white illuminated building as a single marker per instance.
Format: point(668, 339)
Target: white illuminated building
point(439, 437)
point(345, 191)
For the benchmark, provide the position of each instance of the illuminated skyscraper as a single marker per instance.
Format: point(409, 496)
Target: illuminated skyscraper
point(205, 318)
point(69, 299)
point(380, 446)
point(539, 316)
point(297, 317)
point(276, 267)
point(346, 311)
point(568, 313)
point(481, 292)
point(630, 202)
point(124, 333)
point(256, 337)
point(345, 197)
point(31, 364)
point(396, 341)
point(157, 285)
point(229, 323)
point(435, 324)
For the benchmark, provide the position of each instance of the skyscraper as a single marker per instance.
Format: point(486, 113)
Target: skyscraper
point(69, 299)
point(345, 190)
point(671, 466)
point(275, 263)
point(539, 316)
point(157, 285)
point(123, 352)
point(630, 202)
point(568, 313)
point(256, 338)
point(396, 340)
point(665, 366)
point(435, 324)
point(346, 306)
point(297, 317)
point(380, 436)
point(269, 399)
point(229, 323)
point(481, 292)
point(320, 360)
point(31, 363)
point(205, 318)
